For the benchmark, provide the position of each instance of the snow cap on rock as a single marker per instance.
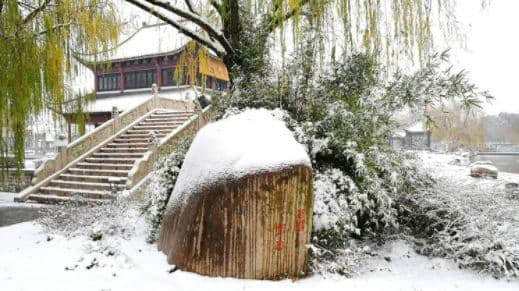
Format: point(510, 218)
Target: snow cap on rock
point(251, 142)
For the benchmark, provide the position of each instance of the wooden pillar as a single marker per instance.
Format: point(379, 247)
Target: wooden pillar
point(121, 79)
point(96, 80)
point(159, 73)
point(69, 132)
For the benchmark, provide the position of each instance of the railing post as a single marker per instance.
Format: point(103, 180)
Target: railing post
point(115, 117)
point(155, 92)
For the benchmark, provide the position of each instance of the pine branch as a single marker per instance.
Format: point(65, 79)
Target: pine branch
point(182, 29)
point(211, 31)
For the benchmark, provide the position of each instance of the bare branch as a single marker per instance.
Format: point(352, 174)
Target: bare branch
point(35, 12)
point(182, 29)
point(55, 27)
point(216, 6)
point(190, 7)
point(26, 5)
point(211, 31)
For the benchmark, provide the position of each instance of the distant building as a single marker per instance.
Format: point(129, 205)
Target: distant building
point(148, 56)
point(417, 137)
point(397, 141)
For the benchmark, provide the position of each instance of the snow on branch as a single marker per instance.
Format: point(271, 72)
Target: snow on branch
point(182, 29)
point(35, 12)
point(213, 32)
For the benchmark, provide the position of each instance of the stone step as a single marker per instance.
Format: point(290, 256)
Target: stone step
point(163, 123)
point(123, 150)
point(151, 127)
point(165, 120)
point(102, 166)
point(84, 185)
point(129, 145)
point(117, 160)
point(147, 131)
point(181, 119)
point(55, 199)
point(97, 172)
point(117, 155)
point(176, 113)
point(131, 140)
point(93, 179)
point(140, 135)
point(92, 194)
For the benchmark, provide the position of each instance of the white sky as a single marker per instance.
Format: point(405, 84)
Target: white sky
point(491, 56)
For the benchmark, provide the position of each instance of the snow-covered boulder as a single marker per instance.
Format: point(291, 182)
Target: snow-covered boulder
point(242, 204)
point(483, 169)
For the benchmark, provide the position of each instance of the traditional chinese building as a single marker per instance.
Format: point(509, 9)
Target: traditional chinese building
point(145, 57)
point(417, 137)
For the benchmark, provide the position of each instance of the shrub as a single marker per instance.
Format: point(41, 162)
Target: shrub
point(460, 224)
point(110, 218)
point(162, 182)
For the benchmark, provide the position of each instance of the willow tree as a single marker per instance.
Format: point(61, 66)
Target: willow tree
point(393, 28)
point(38, 39)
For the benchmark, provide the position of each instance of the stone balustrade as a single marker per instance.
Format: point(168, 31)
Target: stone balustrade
point(137, 178)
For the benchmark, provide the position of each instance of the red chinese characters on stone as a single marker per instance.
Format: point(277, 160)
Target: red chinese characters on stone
point(300, 225)
point(280, 228)
point(278, 246)
point(300, 220)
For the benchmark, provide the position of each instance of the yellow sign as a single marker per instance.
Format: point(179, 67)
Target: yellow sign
point(214, 68)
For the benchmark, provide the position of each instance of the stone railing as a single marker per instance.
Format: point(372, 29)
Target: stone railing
point(137, 178)
point(12, 181)
point(108, 129)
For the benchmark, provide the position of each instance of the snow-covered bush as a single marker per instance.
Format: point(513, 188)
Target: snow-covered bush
point(162, 182)
point(476, 234)
point(343, 114)
point(111, 218)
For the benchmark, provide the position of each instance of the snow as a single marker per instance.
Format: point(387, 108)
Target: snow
point(147, 40)
point(130, 99)
point(484, 169)
point(33, 260)
point(417, 127)
point(329, 201)
point(491, 212)
point(247, 143)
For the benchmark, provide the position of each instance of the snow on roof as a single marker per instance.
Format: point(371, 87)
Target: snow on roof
point(399, 133)
point(251, 142)
point(417, 127)
point(147, 40)
point(131, 98)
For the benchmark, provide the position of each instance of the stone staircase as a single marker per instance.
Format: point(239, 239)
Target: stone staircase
point(103, 174)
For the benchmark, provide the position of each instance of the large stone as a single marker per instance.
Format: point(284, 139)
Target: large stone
point(243, 218)
point(483, 169)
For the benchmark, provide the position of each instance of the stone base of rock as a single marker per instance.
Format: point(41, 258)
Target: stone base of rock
point(255, 227)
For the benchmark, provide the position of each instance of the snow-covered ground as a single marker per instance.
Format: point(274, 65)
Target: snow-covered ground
point(485, 200)
point(33, 259)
